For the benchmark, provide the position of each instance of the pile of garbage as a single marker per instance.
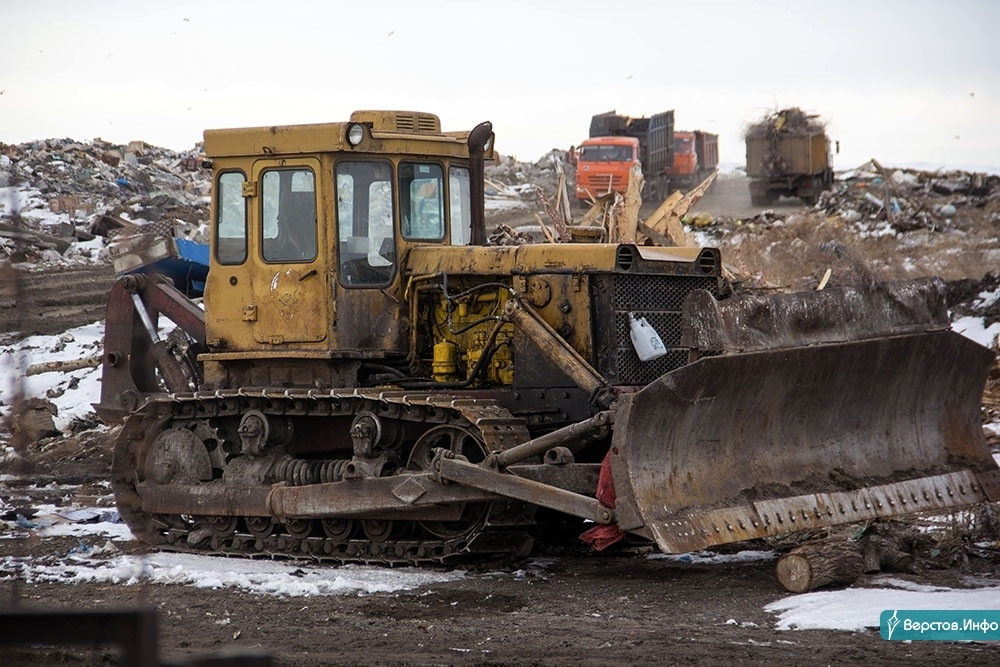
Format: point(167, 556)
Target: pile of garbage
point(56, 192)
point(904, 200)
point(511, 184)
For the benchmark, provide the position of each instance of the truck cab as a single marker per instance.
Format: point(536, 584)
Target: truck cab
point(617, 143)
point(685, 159)
point(603, 165)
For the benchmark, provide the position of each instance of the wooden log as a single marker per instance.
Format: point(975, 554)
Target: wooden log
point(92, 361)
point(820, 563)
point(888, 546)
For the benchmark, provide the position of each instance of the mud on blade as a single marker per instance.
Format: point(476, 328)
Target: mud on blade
point(758, 443)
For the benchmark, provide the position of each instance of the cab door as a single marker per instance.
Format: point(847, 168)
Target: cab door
point(370, 310)
point(290, 297)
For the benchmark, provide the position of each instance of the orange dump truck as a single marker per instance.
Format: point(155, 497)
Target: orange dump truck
point(696, 154)
point(616, 143)
point(669, 159)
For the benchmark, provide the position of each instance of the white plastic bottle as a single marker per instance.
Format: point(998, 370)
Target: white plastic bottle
point(646, 341)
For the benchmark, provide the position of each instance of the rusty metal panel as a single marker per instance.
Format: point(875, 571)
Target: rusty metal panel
point(698, 529)
point(370, 320)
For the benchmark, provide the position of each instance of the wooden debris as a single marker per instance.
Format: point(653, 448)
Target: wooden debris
point(545, 230)
point(665, 223)
point(890, 545)
point(627, 222)
point(667, 219)
point(597, 215)
point(92, 361)
point(562, 234)
point(825, 280)
point(820, 563)
point(655, 236)
point(567, 209)
point(37, 239)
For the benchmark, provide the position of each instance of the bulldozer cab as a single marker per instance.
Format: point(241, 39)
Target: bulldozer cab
point(311, 223)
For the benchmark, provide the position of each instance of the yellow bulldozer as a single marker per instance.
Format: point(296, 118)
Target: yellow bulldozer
point(369, 380)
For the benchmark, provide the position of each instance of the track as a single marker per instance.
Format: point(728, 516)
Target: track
point(426, 420)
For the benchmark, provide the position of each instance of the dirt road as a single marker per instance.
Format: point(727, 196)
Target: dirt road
point(729, 196)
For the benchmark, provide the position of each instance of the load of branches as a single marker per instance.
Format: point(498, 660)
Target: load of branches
point(791, 121)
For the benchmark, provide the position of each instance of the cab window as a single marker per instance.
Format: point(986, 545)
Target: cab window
point(421, 201)
point(231, 219)
point(366, 246)
point(288, 217)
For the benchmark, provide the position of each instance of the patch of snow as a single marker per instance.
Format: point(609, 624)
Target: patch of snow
point(292, 579)
point(856, 609)
point(975, 328)
point(72, 392)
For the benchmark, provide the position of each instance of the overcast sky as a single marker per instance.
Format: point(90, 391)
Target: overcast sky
point(906, 82)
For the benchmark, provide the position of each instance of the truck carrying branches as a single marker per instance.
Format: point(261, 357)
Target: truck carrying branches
point(788, 154)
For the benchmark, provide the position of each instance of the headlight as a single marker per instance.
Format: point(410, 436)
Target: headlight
point(355, 133)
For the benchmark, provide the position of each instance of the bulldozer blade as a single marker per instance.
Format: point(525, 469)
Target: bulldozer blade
point(749, 445)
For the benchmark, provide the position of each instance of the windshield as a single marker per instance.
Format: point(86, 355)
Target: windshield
point(605, 153)
point(683, 145)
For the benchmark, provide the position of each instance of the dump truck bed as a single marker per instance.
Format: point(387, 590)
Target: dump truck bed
point(799, 155)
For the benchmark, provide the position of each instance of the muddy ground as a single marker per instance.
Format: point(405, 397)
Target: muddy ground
point(566, 607)
point(580, 610)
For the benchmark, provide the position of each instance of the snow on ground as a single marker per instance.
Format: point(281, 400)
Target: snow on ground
point(856, 609)
point(72, 392)
point(97, 559)
point(264, 577)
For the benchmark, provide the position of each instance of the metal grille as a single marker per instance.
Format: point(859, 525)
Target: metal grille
point(417, 123)
point(601, 182)
point(657, 292)
point(657, 298)
point(631, 371)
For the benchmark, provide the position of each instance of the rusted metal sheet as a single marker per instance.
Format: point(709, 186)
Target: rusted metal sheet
point(836, 314)
point(747, 445)
point(697, 530)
